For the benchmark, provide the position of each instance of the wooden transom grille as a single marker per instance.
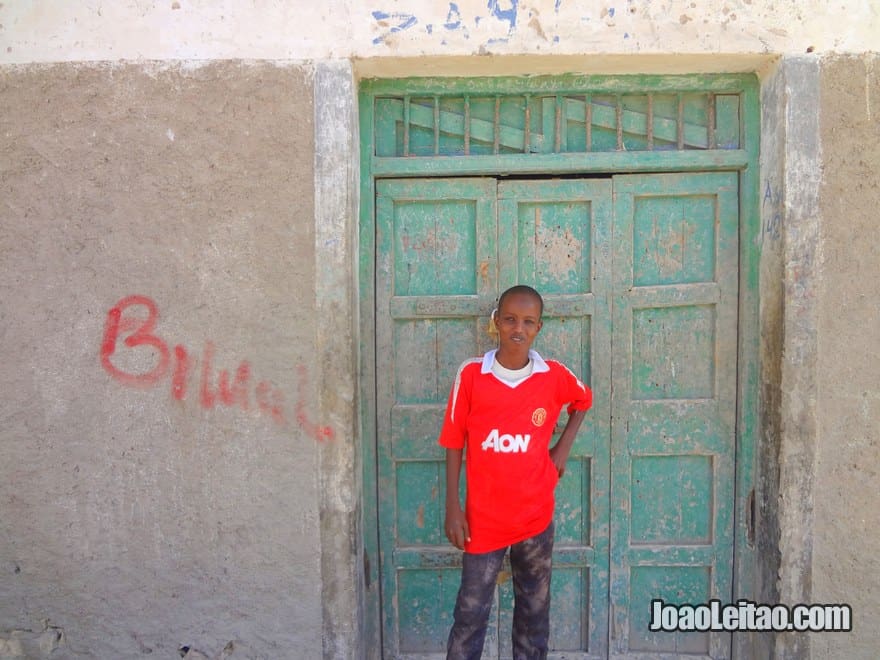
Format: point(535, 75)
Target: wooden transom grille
point(546, 123)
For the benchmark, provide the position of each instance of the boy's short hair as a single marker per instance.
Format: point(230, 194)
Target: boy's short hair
point(525, 290)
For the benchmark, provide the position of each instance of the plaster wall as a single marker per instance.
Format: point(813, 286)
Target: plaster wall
point(846, 500)
point(159, 481)
point(198, 30)
point(819, 446)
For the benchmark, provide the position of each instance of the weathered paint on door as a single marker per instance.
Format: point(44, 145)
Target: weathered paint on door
point(627, 266)
point(674, 404)
point(436, 270)
point(555, 235)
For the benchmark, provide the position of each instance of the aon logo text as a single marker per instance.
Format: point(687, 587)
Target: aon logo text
point(505, 442)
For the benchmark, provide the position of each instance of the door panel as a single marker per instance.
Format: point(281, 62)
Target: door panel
point(674, 404)
point(555, 236)
point(436, 273)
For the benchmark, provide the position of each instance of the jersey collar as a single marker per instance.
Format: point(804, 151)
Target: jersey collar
point(538, 364)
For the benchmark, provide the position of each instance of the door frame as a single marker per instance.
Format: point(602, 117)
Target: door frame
point(744, 160)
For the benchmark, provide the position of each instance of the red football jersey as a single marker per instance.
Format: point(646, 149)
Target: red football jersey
point(506, 431)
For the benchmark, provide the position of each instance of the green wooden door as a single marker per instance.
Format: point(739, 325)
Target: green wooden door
point(436, 273)
point(555, 236)
point(674, 404)
point(445, 250)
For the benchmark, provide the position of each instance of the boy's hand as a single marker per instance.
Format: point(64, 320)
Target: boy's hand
point(560, 451)
point(559, 456)
point(456, 527)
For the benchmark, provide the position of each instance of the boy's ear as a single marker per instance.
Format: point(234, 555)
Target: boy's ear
point(493, 323)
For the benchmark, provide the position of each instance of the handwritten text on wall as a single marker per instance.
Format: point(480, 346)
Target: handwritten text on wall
point(126, 329)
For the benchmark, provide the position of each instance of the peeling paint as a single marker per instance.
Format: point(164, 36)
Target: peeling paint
point(535, 24)
point(561, 250)
point(32, 644)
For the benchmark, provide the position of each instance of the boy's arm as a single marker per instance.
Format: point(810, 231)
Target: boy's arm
point(559, 452)
point(456, 526)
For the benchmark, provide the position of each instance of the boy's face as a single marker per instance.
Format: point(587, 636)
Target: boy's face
point(518, 321)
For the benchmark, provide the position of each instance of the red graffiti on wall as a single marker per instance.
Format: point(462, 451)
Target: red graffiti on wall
point(126, 329)
point(141, 335)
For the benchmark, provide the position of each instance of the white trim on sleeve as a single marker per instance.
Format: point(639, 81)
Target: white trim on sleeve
point(456, 386)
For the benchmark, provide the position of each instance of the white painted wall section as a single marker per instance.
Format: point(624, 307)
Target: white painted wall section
point(89, 30)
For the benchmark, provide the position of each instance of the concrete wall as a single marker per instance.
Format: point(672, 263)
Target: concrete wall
point(144, 506)
point(846, 499)
point(819, 444)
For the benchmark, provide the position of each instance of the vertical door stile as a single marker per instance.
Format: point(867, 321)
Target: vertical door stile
point(601, 384)
point(620, 360)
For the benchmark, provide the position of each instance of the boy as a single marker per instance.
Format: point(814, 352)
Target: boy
point(502, 410)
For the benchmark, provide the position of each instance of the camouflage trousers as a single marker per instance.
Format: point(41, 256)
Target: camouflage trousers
point(530, 564)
